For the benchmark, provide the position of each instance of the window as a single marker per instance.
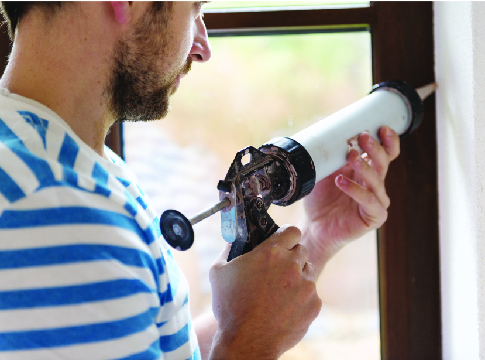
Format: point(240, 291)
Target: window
point(254, 89)
point(402, 48)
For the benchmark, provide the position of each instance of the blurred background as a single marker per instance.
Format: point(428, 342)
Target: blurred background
point(255, 88)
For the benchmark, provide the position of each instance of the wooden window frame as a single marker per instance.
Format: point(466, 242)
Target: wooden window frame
point(408, 243)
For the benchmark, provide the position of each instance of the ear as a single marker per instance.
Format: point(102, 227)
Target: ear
point(123, 11)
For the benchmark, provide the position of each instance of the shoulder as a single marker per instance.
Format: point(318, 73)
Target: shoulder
point(57, 191)
point(50, 179)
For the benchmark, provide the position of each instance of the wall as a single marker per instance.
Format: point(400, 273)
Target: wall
point(460, 74)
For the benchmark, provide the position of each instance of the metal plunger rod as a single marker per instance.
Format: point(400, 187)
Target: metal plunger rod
point(209, 212)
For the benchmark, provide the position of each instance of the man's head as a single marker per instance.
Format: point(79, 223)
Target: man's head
point(150, 60)
point(153, 56)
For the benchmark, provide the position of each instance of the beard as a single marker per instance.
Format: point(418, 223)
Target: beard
point(138, 90)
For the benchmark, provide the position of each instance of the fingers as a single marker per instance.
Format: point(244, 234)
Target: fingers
point(372, 211)
point(367, 188)
point(373, 180)
point(372, 173)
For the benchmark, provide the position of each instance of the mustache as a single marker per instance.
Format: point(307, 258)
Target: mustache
point(187, 66)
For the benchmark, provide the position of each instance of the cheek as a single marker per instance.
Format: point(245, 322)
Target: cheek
point(186, 43)
point(178, 43)
point(185, 38)
point(178, 50)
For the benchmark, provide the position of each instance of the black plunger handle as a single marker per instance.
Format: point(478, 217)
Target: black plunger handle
point(177, 230)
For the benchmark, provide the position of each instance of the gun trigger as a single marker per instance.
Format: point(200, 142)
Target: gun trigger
point(262, 221)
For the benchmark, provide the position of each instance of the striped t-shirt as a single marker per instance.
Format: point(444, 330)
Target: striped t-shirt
point(83, 271)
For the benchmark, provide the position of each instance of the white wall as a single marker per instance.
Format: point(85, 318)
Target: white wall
point(460, 74)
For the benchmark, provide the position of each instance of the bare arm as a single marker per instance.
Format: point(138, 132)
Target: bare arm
point(205, 326)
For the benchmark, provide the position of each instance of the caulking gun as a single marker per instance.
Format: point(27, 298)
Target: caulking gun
point(286, 169)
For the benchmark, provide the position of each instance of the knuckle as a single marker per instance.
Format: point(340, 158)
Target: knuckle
point(302, 252)
point(387, 202)
point(292, 231)
point(274, 254)
point(309, 283)
point(384, 217)
point(283, 235)
point(312, 299)
point(312, 272)
point(317, 306)
point(213, 272)
point(376, 219)
point(215, 267)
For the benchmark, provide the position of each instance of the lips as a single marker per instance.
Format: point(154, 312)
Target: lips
point(182, 73)
point(177, 80)
point(176, 83)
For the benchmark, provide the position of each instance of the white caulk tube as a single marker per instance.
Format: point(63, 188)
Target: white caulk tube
point(316, 152)
point(321, 149)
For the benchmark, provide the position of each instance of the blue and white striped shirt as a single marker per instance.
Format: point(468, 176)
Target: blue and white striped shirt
point(83, 272)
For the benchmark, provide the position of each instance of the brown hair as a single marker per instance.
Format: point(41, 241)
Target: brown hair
point(14, 11)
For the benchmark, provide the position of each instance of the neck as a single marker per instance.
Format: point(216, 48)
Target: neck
point(65, 71)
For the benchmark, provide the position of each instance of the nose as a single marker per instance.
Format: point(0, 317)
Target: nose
point(201, 50)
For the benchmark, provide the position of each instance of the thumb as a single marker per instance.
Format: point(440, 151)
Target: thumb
point(222, 258)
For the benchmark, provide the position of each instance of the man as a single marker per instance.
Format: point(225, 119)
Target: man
point(84, 274)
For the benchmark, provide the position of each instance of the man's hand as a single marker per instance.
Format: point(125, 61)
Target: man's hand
point(351, 201)
point(265, 300)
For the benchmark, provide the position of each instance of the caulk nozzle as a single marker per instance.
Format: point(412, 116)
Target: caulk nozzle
point(426, 90)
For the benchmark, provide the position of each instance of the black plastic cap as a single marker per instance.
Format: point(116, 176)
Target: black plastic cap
point(415, 101)
point(177, 230)
point(301, 161)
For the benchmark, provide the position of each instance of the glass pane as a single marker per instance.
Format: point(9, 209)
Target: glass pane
point(254, 89)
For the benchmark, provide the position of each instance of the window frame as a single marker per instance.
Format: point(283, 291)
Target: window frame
point(408, 243)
